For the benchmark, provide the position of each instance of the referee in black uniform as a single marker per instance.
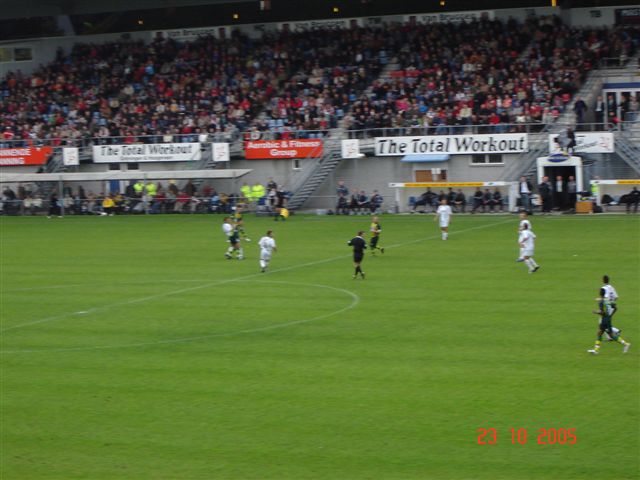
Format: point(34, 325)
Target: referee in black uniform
point(359, 245)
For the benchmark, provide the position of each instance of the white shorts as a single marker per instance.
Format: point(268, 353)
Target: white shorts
point(264, 255)
point(443, 224)
point(527, 252)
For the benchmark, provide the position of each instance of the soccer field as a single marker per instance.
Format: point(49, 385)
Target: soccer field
point(131, 349)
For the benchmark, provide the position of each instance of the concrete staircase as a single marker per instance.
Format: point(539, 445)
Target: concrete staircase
point(54, 165)
point(538, 147)
point(316, 174)
point(628, 150)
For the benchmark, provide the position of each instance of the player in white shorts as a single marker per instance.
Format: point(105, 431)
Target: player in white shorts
point(523, 221)
point(616, 332)
point(267, 246)
point(527, 245)
point(444, 215)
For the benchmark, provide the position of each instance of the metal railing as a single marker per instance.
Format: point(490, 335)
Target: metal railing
point(622, 61)
point(120, 140)
point(446, 130)
point(631, 119)
point(309, 166)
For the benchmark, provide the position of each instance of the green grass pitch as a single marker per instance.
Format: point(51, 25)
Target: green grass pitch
point(131, 349)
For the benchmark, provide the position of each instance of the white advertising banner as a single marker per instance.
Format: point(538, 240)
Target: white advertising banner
point(351, 148)
point(220, 152)
point(586, 142)
point(71, 156)
point(329, 24)
point(190, 33)
point(147, 152)
point(451, 17)
point(452, 144)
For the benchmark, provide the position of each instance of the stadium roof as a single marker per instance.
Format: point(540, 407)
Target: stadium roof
point(42, 8)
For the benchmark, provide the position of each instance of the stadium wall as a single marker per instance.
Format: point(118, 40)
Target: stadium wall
point(367, 173)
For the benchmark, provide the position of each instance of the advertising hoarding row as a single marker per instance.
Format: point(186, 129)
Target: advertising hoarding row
point(452, 144)
point(13, 157)
point(281, 149)
point(147, 152)
point(509, 143)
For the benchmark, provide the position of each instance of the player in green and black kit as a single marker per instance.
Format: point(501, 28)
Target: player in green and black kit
point(237, 219)
point(375, 230)
point(605, 310)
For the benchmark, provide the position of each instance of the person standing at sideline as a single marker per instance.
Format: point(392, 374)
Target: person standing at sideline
point(375, 230)
point(525, 189)
point(572, 191)
point(267, 246)
point(359, 245)
point(231, 231)
point(559, 193)
point(527, 243)
point(444, 215)
point(545, 194)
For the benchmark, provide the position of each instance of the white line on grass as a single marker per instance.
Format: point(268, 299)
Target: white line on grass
point(73, 285)
point(355, 300)
point(216, 283)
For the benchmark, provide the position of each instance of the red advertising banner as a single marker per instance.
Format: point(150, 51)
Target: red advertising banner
point(11, 157)
point(296, 148)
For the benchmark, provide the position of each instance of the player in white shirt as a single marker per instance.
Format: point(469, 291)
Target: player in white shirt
point(230, 230)
point(527, 244)
point(610, 294)
point(444, 213)
point(523, 221)
point(606, 331)
point(267, 246)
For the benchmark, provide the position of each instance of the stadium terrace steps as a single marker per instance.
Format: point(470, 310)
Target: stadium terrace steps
point(628, 151)
point(54, 165)
point(318, 175)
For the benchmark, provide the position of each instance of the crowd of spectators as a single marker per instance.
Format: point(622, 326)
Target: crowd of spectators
point(166, 91)
point(501, 74)
point(445, 76)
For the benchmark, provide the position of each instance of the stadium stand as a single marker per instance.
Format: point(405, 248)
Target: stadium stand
point(439, 77)
point(488, 73)
point(489, 76)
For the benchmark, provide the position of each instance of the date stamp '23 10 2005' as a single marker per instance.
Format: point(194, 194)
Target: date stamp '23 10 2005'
point(545, 436)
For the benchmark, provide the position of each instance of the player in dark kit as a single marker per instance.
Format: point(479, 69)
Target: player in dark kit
point(375, 230)
point(239, 221)
point(359, 245)
point(605, 311)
